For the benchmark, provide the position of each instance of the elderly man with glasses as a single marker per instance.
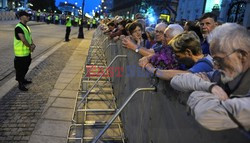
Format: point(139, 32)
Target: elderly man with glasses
point(221, 99)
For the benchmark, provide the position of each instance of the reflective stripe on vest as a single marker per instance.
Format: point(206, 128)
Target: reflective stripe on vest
point(20, 49)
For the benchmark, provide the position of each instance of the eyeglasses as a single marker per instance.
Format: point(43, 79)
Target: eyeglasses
point(219, 61)
point(160, 32)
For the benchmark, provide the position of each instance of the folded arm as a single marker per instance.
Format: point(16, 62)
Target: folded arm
point(212, 113)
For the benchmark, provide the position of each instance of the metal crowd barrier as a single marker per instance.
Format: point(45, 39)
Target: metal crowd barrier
point(7, 15)
point(156, 117)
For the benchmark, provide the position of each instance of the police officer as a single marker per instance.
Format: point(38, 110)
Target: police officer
point(80, 32)
point(76, 21)
point(38, 16)
point(49, 19)
point(56, 19)
point(94, 23)
point(23, 47)
point(88, 23)
point(68, 28)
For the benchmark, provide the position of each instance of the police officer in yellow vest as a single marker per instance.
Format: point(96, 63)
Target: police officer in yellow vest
point(23, 47)
point(49, 19)
point(94, 23)
point(68, 28)
point(76, 21)
point(38, 15)
point(80, 32)
point(88, 23)
point(56, 19)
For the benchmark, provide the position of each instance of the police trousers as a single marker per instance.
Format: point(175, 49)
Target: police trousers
point(68, 29)
point(21, 65)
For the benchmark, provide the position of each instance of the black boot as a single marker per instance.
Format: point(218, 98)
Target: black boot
point(22, 87)
point(27, 81)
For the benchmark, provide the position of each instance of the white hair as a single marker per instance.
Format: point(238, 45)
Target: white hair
point(161, 25)
point(175, 29)
point(229, 37)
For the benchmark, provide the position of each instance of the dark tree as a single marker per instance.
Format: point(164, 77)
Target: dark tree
point(43, 4)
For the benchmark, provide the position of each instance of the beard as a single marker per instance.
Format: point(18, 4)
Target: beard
point(225, 79)
point(237, 71)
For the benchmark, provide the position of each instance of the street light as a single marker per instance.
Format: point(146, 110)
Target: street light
point(75, 3)
point(105, 7)
point(65, 2)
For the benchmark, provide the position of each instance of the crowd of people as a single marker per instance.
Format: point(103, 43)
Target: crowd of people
point(206, 58)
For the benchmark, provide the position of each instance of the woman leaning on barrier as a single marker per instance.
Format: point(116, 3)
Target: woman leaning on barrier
point(186, 47)
point(135, 40)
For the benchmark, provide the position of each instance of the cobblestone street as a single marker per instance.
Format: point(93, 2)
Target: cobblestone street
point(20, 111)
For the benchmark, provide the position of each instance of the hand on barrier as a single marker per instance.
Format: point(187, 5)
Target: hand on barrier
point(144, 61)
point(127, 42)
point(116, 38)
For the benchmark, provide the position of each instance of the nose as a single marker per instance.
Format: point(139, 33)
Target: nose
point(204, 26)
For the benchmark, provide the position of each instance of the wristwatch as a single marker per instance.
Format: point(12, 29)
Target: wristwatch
point(137, 49)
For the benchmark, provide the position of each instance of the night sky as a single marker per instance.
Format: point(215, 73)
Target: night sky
point(89, 4)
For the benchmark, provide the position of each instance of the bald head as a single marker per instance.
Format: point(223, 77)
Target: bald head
point(171, 31)
point(159, 32)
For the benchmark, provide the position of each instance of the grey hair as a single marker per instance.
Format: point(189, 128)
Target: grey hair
point(151, 32)
point(229, 37)
point(161, 25)
point(175, 29)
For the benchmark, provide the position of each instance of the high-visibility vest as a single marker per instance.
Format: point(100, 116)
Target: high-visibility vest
point(89, 22)
point(38, 14)
point(68, 23)
point(57, 17)
point(20, 49)
point(49, 17)
point(76, 19)
point(94, 22)
point(80, 21)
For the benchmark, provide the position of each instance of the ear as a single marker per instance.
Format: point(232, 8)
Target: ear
point(188, 52)
point(243, 55)
point(216, 23)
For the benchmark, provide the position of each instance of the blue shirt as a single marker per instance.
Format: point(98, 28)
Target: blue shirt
point(205, 47)
point(157, 47)
point(203, 65)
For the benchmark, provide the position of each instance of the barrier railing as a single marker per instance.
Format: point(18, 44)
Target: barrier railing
point(160, 117)
point(7, 15)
